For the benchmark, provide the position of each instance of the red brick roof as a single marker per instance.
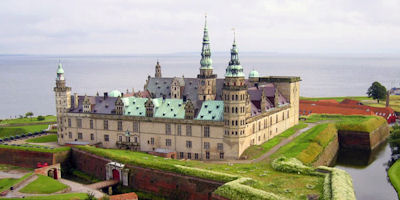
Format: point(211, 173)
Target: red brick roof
point(126, 196)
point(328, 101)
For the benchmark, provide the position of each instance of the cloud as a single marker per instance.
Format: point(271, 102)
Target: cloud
point(157, 26)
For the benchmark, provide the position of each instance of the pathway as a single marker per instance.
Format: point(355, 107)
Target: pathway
point(12, 174)
point(102, 184)
point(80, 188)
point(273, 150)
point(16, 194)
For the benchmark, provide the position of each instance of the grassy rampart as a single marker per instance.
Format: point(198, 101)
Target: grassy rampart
point(43, 185)
point(38, 148)
point(8, 182)
point(43, 139)
point(394, 175)
point(48, 119)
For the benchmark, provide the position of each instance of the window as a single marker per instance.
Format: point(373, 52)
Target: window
point(168, 142)
point(120, 138)
point(179, 129)
point(136, 127)
point(276, 120)
point(70, 135)
point(106, 138)
point(105, 124)
point(221, 155)
point(287, 114)
point(128, 139)
point(188, 144)
point(181, 155)
point(207, 155)
point(79, 123)
point(80, 136)
point(189, 155)
point(120, 125)
point(152, 141)
point(206, 145)
point(206, 131)
point(188, 130)
point(69, 122)
point(91, 124)
point(220, 147)
point(254, 128)
point(91, 136)
point(168, 129)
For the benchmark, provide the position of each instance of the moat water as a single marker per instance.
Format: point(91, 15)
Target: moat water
point(368, 170)
point(26, 82)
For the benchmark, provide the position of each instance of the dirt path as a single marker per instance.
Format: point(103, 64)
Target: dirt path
point(273, 150)
point(80, 188)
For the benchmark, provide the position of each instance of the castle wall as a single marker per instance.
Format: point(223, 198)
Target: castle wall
point(30, 159)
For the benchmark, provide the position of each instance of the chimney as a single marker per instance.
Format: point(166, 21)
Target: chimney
point(388, 98)
point(256, 84)
point(184, 98)
point(76, 100)
point(105, 95)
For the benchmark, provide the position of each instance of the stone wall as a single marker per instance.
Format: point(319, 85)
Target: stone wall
point(29, 159)
point(89, 163)
point(168, 184)
point(363, 140)
point(171, 185)
point(328, 155)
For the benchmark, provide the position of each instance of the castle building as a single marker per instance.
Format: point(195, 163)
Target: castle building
point(202, 118)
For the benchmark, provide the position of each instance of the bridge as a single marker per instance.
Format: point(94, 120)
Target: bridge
point(103, 184)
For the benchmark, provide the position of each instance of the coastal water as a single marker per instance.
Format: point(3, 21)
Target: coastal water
point(26, 82)
point(368, 171)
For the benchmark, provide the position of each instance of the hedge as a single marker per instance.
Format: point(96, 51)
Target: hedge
point(292, 165)
point(236, 190)
point(340, 182)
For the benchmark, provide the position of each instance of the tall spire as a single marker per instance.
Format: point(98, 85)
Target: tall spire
point(60, 71)
point(234, 68)
point(206, 62)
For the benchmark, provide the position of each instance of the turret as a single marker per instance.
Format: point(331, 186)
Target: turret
point(158, 70)
point(87, 106)
point(235, 96)
point(149, 107)
point(62, 97)
point(207, 80)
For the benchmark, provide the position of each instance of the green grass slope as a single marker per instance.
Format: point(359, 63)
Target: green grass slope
point(43, 185)
point(43, 139)
point(32, 120)
point(18, 130)
point(394, 175)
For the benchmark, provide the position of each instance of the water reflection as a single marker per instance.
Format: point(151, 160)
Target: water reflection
point(368, 170)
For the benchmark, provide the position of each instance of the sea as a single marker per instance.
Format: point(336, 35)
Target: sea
point(27, 81)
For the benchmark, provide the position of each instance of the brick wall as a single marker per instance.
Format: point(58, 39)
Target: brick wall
point(89, 163)
point(24, 158)
point(328, 155)
point(363, 140)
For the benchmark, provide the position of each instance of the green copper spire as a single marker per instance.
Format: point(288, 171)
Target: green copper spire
point(206, 62)
point(234, 68)
point(60, 71)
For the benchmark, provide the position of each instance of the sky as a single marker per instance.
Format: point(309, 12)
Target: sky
point(171, 26)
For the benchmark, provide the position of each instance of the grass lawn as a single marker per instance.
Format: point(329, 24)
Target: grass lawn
point(6, 168)
point(256, 151)
point(39, 148)
point(309, 145)
point(50, 118)
point(394, 175)
point(360, 123)
point(43, 185)
point(339, 99)
point(8, 182)
point(272, 181)
point(43, 139)
point(69, 196)
point(18, 130)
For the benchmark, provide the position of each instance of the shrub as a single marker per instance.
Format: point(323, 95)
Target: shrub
point(237, 190)
point(340, 182)
point(40, 118)
point(292, 165)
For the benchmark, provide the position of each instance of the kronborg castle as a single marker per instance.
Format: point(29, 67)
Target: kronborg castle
point(198, 118)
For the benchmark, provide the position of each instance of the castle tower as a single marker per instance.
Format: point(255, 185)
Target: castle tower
point(207, 80)
point(158, 70)
point(235, 96)
point(63, 97)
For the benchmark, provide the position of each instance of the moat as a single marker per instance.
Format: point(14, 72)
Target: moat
point(368, 170)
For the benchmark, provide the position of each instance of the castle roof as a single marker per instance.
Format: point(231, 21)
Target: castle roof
point(211, 110)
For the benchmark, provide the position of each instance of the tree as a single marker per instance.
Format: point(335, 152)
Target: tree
point(40, 118)
point(377, 91)
point(29, 114)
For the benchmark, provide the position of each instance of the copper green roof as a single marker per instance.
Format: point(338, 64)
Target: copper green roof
point(115, 93)
point(211, 110)
point(169, 108)
point(60, 69)
point(134, 106)
point(254, 74)
point(206, 62)
point(234, 68)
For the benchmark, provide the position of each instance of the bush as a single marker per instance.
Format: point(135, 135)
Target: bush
point(292, 165)
point(237, 190)
point(40, 118)
point(340, 182)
